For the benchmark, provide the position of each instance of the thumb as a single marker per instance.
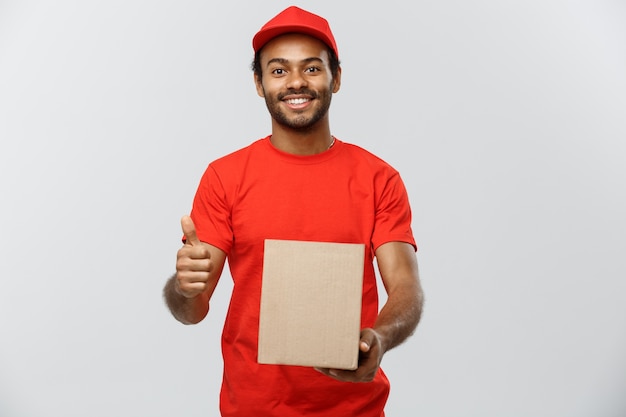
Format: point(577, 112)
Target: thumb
point(366, 342)
point(189, 230)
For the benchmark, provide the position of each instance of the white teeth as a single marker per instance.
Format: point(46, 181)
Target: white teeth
point(298, 101)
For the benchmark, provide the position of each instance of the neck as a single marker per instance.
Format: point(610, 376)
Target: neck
point(302, 142)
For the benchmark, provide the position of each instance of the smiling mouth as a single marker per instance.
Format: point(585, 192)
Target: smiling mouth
point(297, 101)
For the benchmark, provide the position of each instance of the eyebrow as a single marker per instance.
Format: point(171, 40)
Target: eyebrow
point(286, 61)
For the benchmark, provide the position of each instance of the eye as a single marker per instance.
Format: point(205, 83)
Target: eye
point(278, 71)
point(312, 70)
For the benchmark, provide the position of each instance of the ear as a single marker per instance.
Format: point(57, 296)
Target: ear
point(259, 86)
point(337, 80)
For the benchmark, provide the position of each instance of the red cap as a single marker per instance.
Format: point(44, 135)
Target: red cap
point(295, 20)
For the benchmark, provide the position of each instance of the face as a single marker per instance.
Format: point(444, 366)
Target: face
point(297, 83)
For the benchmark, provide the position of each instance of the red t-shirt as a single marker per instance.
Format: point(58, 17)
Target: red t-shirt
point(344, 195)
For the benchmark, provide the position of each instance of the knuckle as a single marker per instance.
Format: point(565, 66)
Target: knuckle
point(182, 264)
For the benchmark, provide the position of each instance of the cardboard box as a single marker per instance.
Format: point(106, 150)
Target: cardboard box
point(311, 304)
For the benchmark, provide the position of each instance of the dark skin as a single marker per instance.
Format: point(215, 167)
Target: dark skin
point(198, 268)
point(297, 84)
point(296, 67)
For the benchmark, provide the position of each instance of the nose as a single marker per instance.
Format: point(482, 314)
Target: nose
point(296, 80)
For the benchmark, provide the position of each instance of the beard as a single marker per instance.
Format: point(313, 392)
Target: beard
point(302, 120)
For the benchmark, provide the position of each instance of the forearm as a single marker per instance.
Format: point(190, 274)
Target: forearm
point(186, 310)
point(400, 315)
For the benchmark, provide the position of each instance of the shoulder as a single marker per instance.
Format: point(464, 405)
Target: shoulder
point(363, 156)
point(228, 168)
point(235, 158)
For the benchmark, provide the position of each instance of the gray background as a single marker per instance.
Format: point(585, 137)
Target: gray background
point(505, 118)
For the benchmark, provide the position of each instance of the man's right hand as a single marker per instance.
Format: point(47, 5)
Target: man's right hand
point(193, 262)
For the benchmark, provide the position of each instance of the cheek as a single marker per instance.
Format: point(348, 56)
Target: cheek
point(268, 87)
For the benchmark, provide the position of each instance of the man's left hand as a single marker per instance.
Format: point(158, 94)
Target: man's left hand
point(370, 355)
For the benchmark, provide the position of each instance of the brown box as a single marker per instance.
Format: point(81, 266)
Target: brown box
point(311, 304)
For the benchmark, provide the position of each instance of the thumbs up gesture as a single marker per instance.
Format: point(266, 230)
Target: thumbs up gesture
point(193, 262)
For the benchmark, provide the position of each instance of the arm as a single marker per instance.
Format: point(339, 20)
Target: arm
point(399, 316)
point(198, 269)
point(401, 313)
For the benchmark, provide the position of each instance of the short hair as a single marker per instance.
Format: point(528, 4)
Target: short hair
point(332, 56)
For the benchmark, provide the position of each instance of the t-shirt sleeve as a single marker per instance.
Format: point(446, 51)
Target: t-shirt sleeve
point(211, 213)
point(393, 215)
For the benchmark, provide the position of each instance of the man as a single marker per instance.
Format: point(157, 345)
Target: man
point(299, 183)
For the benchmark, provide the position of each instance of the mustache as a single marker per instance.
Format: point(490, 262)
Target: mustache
point(302, 91)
